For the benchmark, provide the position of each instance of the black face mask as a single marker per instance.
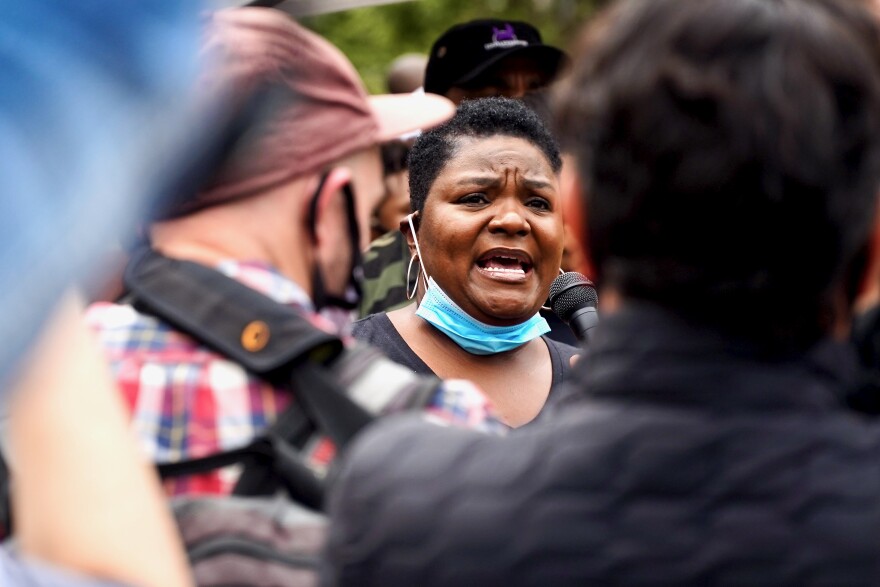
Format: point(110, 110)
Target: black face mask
point(320, 297)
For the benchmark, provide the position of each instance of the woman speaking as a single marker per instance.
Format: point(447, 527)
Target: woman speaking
point(486, 237)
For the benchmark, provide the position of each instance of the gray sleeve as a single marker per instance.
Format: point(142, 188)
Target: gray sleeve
point(412, 506)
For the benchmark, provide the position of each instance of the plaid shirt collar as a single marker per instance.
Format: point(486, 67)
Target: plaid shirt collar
point(270, 282)
point(267, 280)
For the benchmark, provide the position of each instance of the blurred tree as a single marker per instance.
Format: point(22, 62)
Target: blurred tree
point(373, 37)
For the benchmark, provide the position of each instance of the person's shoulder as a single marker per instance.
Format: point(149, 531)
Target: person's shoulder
point(385, 274)
point(386, 247)
point(367, 327)
point(377, 330)
point(435, 438)
point(563, 347)
point(562, 350)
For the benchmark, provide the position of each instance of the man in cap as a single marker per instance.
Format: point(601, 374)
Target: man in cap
point(277, 217)
point(491, 57)
point(475, 59)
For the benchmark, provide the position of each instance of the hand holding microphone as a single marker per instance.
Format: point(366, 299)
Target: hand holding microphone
point(573, 298)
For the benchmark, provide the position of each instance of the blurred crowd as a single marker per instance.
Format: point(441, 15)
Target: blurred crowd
point(602, 315)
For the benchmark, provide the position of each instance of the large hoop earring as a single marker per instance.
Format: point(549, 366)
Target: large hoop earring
point(409, 219)
point(411, 294)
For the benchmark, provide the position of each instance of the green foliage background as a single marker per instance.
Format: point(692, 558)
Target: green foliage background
point(373, 37)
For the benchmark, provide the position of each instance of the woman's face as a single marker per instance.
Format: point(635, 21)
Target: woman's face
point(491, 230)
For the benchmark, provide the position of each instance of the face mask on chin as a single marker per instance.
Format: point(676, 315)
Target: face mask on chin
point(476, 337)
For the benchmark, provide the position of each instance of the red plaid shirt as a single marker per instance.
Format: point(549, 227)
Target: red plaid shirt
point(187, 401)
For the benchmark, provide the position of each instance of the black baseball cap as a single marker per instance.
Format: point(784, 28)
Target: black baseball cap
point(466, 50)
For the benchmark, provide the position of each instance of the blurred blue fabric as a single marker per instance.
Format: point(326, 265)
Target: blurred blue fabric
point(95, 110)
point(15, 572)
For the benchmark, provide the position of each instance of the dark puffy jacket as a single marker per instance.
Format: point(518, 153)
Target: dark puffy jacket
point(683, 460)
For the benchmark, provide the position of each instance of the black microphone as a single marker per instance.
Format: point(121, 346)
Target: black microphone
point(573, 298)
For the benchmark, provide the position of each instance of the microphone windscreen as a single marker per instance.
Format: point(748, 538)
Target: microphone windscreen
point(570, 292)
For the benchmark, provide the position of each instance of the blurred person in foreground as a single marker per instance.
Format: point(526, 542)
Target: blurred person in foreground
point(77, 168)
point(474, 59)
point(729, 157)
point(317, 148)
point(486, 239)
point(85, 504)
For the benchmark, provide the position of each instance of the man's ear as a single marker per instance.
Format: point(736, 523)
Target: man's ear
point(328, 197)
point(407, 231)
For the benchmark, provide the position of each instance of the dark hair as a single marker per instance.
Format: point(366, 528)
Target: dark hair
point(729, 152)
point(485, 117)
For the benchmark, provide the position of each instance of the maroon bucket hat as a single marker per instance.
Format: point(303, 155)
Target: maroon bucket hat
point(320, 111)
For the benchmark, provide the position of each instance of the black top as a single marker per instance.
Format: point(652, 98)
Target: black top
point(378, 331)
point(680, 459)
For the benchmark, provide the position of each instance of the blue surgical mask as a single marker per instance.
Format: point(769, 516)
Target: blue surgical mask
point(470, 334)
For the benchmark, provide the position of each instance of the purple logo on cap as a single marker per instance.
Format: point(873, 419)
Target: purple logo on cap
point(505, 34)
point(504, 38)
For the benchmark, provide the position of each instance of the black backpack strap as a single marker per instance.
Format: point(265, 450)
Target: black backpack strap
point(235, 320)
point(271, 340)
point(269, 459)
point(5, 503)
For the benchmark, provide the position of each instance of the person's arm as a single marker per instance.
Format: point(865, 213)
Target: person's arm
point(84, 498)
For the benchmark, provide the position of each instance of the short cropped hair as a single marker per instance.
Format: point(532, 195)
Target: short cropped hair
point(484, 117)
point(730, 156)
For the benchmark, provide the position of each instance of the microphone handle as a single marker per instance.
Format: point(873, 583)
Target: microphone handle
point(582, 321)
